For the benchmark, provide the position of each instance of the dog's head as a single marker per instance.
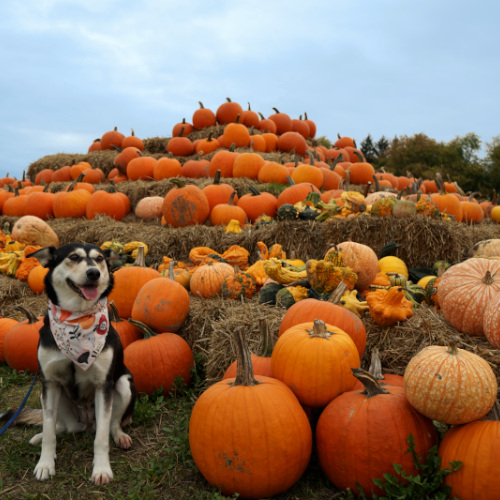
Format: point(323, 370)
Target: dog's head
point(78, 275)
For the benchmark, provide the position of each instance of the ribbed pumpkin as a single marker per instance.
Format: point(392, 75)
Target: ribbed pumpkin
point(465, 290)
point(34, 231)
point(477, 446)
point(185, 205)
point(239, 449)
point(162, 304)
point(256, 203)
point(295, 192)
point(206, 280)
point(218, 192)
point(149, 207)
point(71, 203)
point(307, 310)
point(491, 321)
point(315, 359)
point(20, 344)
point(112, 203)
point(158, 360)
point(449, 384)
point(373, 418)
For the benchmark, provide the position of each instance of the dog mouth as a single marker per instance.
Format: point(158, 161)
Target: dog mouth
point(87, 292)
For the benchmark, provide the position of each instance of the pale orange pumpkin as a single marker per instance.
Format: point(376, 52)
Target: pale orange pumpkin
point(207, 279)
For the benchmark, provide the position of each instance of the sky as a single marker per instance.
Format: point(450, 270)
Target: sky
point(74, 69)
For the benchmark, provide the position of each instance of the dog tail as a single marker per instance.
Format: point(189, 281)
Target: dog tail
point(28, 416)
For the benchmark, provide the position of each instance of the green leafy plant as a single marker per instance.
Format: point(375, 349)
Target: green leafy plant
point(428, 484)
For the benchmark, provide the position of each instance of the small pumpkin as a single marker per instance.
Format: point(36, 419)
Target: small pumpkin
point(238, 285)
point(207, 279)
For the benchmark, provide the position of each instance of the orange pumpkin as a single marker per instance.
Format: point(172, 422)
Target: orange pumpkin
point(36, 279)
point(222, 213)
point(315, 360)
point(112, 203)
point(5, 325)
point(206, 280)
point(218, 192)
point(257, 203)
point(185, 205)
point(277, 438)
point(203, 117)
point(127, 332)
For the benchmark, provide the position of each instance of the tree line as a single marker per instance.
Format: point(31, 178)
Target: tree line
point(457, 160)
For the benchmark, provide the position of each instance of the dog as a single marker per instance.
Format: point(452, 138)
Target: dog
point(85, 382)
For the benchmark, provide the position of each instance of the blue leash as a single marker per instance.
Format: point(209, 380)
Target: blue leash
point(18, 411)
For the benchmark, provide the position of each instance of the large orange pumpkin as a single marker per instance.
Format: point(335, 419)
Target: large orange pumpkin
point(315, 360)
point(449, 384)
point(373, 418)
point(465, 290)
point(5, 325)
point(477, 446)
point(185, 205)
point(239, 449)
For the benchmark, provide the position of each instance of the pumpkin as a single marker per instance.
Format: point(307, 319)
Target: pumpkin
point(228, 112)
point(361, 259)
point(425, 206)
point(158, 361)
point(196, 168)
point(266, 451)
point(132, 141)
point(166, 167)
point(261, 362)
point(128, 280)
point(375, 370)
point(207, 279)
point(5, 325)
point(382, 206)
point(374, 418)
point(179, 274)
point(20, 344)
point(309, 309)
point(295, 192)
point(315, 359)
point(248, 165)
point(182, 128)
point(185, 205)
point(127, 332)
point(36, 279)
point(34, 231)
point(476, 446)
point(491, 321)
point(292, 142)
point(141, 168)
point(222, 213)
point(162, 304)
point(282, 120)
point(180, 145)
point(387, 307)
point(464, 291)
point(149, 207)
point(71, 203)
point(238, 285)
point(392, 264)
point(224, 161)
point(404, 208)
point(449, 384)
point(486, 248)
point(203, 117)
point(235, 133)
point(207, 146)
point(111, 203)
point(111, 138)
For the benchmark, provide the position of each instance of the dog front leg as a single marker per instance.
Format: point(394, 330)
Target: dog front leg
point(50, 403)
point(101, 473)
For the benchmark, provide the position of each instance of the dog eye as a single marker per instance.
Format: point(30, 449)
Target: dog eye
point(99, 258)
point(74, 257)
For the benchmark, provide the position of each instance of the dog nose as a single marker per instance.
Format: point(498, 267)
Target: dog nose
point(93, 274)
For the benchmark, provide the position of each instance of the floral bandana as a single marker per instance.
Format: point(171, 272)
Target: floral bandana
point(81, 336)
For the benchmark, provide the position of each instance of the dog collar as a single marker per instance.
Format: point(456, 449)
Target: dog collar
point(81, 336)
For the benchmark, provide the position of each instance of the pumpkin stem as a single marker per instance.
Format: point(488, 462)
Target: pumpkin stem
point(254, 191)
point(171, 274)
point(372, 387)
point(488, 278)
point(217, 177)
point(146, 331)
point(29, 314)
point(319, 329)
point(140, 260)
point(336, 295)
point(267, 339)
point(376, 365)
point(114, 316)
point(452, 346)
point(244, 368)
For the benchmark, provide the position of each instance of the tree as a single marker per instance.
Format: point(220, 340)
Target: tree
point(368, 149)
point(492, 164)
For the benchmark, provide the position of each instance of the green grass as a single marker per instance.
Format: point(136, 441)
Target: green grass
point(159, 464)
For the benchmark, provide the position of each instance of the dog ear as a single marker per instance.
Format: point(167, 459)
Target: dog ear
point(44, 255)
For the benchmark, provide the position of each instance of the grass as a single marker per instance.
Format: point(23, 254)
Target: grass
point(159, 464)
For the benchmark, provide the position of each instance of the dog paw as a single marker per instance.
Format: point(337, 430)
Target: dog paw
point(123, 441)
point(101, 475)
point(44, 470)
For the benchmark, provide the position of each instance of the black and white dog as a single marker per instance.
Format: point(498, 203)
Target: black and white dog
point(85, 382)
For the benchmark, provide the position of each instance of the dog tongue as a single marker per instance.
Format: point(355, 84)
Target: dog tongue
point(90, 292)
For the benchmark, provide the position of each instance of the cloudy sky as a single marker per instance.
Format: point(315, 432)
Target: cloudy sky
point(74, 69)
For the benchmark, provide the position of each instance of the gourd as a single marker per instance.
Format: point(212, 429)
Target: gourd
point(387, 307)
point(238, 285)
point(278, 271)
point(325, 276)
point(289, 295)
